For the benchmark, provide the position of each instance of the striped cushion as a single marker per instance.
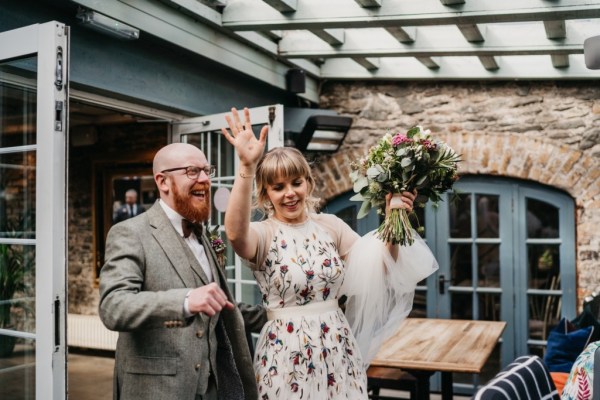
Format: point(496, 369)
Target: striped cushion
point(525, 378)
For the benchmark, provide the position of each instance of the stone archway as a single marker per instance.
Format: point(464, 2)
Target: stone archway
point(514, 156)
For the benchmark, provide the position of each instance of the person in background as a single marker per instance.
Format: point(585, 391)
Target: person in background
point(131, 208)
point(180, 334)
point(307, 349)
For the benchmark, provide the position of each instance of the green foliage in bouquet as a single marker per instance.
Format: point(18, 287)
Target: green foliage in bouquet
point(398, 163)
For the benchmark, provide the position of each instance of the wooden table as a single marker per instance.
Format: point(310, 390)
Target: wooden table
point(424, 346)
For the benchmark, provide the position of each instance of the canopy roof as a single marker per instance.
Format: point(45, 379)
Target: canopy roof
point(375, 39)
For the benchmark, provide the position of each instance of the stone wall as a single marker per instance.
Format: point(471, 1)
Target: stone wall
point(539, 131)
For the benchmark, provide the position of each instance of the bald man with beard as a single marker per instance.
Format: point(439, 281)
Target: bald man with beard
point(180, 334)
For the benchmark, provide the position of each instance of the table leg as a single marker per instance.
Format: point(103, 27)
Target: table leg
point(447, 390)
point(423, 389)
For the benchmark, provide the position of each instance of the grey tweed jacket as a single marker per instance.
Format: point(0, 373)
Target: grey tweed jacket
point(160, 354)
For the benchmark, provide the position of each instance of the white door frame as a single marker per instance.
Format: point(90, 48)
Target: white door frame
point(271, 115)
point(50, 42)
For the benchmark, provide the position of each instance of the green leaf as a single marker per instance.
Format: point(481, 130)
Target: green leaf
point(405, 162)
point(401, 151)
point(364, 210)
point(358, 197)
point(374, 171)
point(360, 183)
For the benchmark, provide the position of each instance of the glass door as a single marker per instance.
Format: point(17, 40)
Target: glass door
point(506, 251)
point(33, 126)
point(205, 132)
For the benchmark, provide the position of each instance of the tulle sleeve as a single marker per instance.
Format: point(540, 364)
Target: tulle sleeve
point(380, 290)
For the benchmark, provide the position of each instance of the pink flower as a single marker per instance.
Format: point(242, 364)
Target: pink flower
point(428, 144)
point(399, 139)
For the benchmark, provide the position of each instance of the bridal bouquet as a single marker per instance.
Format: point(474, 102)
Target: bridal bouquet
point(398, 163)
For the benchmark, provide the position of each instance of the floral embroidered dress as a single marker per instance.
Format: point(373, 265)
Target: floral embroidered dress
point(306, 349)
point(309, 348)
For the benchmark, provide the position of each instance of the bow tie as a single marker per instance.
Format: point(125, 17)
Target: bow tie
point(188, 227)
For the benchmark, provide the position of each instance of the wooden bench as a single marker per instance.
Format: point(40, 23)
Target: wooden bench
point(390, 378)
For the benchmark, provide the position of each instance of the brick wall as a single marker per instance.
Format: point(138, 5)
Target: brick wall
point(543, 132)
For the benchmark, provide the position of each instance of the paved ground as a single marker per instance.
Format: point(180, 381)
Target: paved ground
point(90, 378)
point(90, 375)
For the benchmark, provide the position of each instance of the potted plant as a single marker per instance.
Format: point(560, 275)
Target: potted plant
point(11, 280)
point(16, 263)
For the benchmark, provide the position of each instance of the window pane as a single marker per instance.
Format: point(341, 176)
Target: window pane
point(544, 314)
point(17, 115)
point(247, 274)
point(419, 309)
point(544, 268)
point(542, 219)
point(417, 220)
point(488, 259)
point(461, 265)
point(17, 370)
point(462, 305)
point(460, 217)
point(17, 195)
point(17, 287)
point(489, 306)
point(487, 216)
point(251, 294)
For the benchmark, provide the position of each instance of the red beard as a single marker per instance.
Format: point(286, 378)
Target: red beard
point(187, 209)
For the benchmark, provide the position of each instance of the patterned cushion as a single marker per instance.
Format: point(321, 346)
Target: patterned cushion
point(581, 378)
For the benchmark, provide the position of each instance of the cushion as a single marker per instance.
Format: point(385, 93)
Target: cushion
point(565, 343)
point(525, 378)
point(579, 384)
point(559, 379)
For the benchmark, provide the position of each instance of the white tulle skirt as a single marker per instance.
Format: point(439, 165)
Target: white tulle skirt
point(380, 290)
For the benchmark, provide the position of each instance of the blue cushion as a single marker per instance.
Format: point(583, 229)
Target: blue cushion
point(565, 343)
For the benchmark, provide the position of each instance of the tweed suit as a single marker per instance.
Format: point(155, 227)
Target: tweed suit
point(161, 354)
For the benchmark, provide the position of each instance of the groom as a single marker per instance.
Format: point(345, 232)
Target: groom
point(180, 334)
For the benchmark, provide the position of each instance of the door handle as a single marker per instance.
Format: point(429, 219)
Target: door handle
point(442, 284)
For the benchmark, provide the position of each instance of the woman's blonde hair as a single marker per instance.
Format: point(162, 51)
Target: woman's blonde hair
point(286, 163)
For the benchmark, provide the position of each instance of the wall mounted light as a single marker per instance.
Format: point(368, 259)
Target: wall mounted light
point(591, 52)
point(315, 130)
point(104, 24)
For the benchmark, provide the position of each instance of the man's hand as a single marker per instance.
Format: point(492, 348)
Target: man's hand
point(209, 299)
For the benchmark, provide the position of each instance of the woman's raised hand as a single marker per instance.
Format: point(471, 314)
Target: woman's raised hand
point(249, 148)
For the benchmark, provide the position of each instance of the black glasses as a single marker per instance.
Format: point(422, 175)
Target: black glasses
point(193, 172)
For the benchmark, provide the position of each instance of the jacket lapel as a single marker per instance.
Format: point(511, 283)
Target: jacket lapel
point(168, 238)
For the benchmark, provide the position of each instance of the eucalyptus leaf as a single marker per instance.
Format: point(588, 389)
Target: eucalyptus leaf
point(405, 162)
point(373, 171)
point(360, 183)
point(364, 210)
point(358, 197)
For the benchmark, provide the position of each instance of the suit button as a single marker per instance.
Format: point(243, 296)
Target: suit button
point(200, 334)
point(197, 367)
